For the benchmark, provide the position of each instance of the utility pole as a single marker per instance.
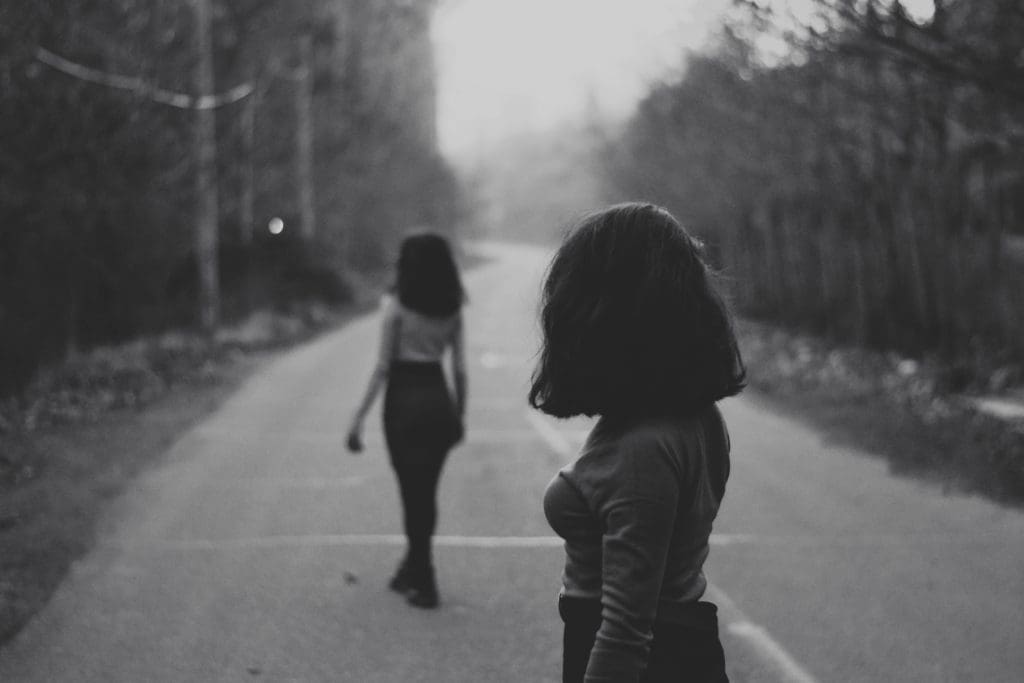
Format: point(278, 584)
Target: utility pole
point(304, 137)
point(206, 172)
point(247, 213)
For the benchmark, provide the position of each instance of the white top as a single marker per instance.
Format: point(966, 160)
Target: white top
point(411, 336)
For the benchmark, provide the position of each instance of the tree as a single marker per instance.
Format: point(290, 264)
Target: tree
point(863, 184)
point(98, 184)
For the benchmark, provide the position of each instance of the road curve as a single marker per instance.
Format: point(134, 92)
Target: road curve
point(259, 550)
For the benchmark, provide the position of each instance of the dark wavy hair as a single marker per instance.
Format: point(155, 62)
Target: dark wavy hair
point(428, 280)
point(633, 325)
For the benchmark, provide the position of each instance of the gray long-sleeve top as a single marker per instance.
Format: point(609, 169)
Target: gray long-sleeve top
point(635, 510)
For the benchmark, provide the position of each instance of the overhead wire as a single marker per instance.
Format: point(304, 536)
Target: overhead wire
point(143, 87)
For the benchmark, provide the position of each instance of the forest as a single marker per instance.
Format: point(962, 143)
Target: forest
point(147, 145)
point(866, 182)
point(857, 170)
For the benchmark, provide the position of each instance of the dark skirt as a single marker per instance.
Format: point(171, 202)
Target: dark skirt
point(419, 413)
point(685, 649)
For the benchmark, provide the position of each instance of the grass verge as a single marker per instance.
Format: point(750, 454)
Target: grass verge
point(891, 406)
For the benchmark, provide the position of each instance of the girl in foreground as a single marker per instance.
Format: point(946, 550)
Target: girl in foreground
point(422, 421)
point(634, 332)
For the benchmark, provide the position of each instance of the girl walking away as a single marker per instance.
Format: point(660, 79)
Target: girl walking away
point(422, 420)
point(634, 332)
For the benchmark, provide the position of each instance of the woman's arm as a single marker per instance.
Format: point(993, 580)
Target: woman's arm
point(459, 368)
point(639, 515)
point(385, 353)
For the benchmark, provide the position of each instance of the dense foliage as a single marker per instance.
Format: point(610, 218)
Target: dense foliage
point(97, 195)
point(868, 184)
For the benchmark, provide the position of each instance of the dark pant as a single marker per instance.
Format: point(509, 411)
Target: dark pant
point(418, 475)
point(420, 425)
point(688, 651)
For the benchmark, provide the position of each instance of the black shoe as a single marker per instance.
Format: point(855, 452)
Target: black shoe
point(423, 589)
point(427, 598)
point(401, 582)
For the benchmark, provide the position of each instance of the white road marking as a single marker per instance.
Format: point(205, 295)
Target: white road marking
point(484, 436)
point(739, 625)
point(494, 360)
point(374, 437)
point(328, 540)
point(496, 402)
point(290, 435)
point(499, 541)
point(310, 483)
point(554, 438)
point(731, 539)
point(498, 435)
point(559, 442)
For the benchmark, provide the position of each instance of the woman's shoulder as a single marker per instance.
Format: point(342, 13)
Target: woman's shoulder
point(625, 444)
point(392, 306)
point(639, 434)
point(648, 443)
point(629, 458)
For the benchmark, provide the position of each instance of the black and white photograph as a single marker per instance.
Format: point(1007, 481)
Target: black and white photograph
point(511, 341)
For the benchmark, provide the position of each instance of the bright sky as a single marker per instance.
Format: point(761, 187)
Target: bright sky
point(512, 65)
point(508, 66)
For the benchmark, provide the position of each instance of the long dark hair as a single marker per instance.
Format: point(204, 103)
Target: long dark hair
point(632, 323)
point(428, 280)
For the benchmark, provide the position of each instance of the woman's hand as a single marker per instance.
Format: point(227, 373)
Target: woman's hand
point(354, 442)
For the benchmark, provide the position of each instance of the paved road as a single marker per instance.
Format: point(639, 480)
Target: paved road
point(259, 551)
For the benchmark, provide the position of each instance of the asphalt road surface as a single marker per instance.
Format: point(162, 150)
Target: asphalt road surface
point(259, 550)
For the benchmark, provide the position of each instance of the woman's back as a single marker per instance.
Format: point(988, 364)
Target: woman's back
point(421, 338)
point(422, 420)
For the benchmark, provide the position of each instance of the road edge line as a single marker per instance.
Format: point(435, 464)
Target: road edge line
point(762, 641)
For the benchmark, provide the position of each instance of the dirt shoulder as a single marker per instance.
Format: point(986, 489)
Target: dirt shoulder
point(90, 427)
point(49, 512)
point(896, 407)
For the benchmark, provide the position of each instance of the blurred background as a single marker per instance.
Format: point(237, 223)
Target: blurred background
point(856, 166)
point(182, 183)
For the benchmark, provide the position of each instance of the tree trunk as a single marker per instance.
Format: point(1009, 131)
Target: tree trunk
point(304, 138)
point(206, 173)
point(247, 213)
